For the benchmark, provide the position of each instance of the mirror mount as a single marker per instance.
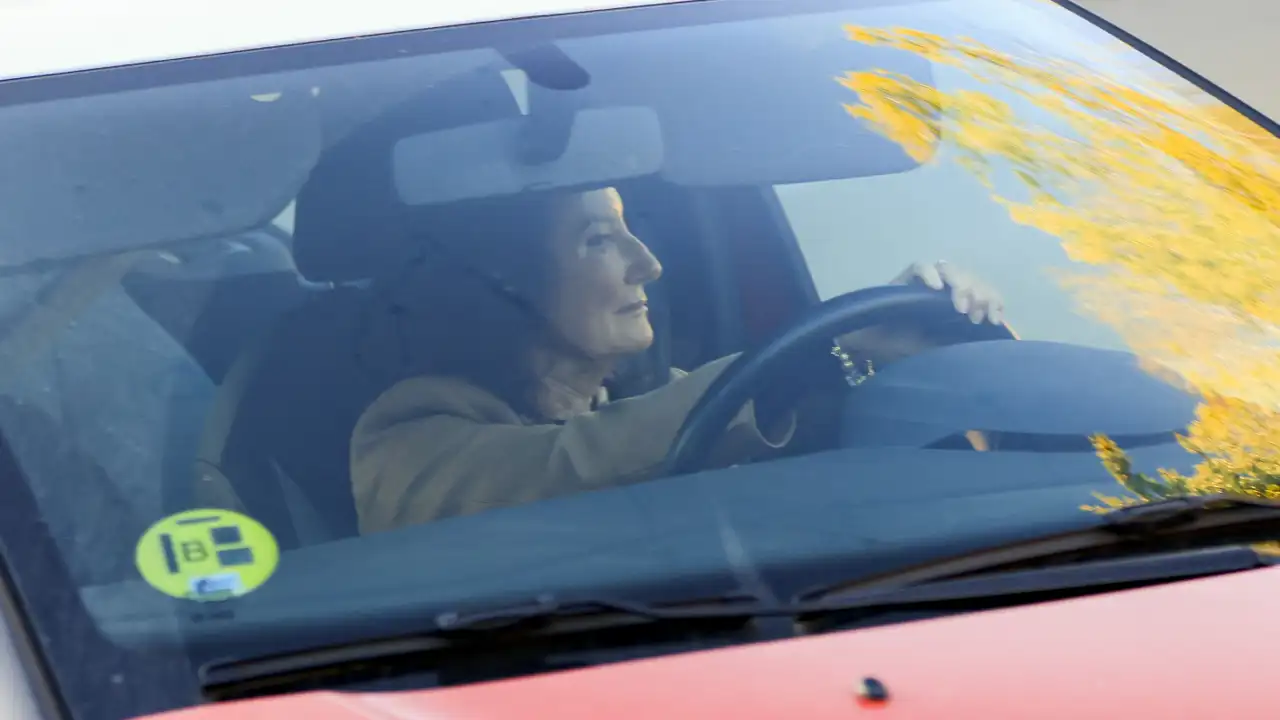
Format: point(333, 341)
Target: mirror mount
point(544, 134)
point(553, 102)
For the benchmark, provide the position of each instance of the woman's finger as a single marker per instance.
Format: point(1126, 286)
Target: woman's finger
point(928, 274)
point(957, 280)
point(977, 311)
point(964, 291)
point(970, 302)
point(970, 296)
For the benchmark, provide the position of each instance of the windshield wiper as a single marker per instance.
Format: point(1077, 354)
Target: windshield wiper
point(1152, 543)
point(1191, 512)
point(547, 611)
point(1160, 526)
point(457, 634)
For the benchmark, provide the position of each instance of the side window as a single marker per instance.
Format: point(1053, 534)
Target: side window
point(284, 220)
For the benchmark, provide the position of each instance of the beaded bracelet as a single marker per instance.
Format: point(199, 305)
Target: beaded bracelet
point(852, 374)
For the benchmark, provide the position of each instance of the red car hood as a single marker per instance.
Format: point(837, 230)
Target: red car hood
point(1198, 649)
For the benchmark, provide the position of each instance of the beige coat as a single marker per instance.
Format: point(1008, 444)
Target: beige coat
point(433, 447)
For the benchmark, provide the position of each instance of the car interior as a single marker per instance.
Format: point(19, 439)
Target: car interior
point(259, 357)
point(264, 323)
point(296, 370)
point(274, 323)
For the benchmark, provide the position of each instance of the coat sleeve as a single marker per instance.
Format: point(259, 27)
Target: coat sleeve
point(432, 448)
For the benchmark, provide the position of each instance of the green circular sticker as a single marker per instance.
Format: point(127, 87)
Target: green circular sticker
point(207, 555)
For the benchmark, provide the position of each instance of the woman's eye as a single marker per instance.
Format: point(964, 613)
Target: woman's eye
point(596, 241)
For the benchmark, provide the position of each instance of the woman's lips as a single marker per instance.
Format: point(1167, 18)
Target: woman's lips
point(634, 308)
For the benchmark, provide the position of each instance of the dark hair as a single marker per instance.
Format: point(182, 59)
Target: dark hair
point(465, 296)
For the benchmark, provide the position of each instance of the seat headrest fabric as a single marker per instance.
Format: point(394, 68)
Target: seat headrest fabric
point(350, 223)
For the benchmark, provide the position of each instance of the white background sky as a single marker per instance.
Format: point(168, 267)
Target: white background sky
point(1231, 42)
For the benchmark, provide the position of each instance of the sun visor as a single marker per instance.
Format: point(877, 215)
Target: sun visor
point(727, 131)
point(108, 173)
point(752, 103)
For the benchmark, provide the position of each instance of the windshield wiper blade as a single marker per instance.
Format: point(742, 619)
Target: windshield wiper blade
point(1149, 528)
point(548, 609)
point(461, 631)
point(1190, 512)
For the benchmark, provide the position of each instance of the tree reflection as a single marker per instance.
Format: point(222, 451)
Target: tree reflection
point(1170, 201)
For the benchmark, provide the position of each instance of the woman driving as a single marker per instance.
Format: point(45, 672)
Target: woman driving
point(516, 335)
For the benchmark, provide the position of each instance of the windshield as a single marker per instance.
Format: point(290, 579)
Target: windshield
point(314, 343)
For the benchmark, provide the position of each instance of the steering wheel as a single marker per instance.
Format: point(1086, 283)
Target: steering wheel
point(751, 371)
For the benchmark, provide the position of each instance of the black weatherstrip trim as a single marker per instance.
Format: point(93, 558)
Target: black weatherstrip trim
point(94, 677)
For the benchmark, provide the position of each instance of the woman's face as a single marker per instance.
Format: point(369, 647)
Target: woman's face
point(600, 270)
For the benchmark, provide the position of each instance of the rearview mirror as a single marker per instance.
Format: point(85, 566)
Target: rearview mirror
point(605, 145)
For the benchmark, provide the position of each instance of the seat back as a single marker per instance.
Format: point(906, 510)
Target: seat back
point(288, 412)
point(289, 408)
point(292, 403)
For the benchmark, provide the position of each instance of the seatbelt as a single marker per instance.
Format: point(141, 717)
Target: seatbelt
point(212, 484)
point(212, 488)
point(58, 303)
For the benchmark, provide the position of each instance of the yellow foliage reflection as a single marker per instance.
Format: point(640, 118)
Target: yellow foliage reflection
point(1172, 201)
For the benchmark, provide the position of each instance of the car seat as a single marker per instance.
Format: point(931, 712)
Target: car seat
point(293, 399)
point(213, 299)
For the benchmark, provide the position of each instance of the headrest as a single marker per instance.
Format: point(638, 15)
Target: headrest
point(350, 222)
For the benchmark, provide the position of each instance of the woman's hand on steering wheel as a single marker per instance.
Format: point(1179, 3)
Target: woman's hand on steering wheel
point(969, 295)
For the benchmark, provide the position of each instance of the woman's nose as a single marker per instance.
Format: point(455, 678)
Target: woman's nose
point(644, 267)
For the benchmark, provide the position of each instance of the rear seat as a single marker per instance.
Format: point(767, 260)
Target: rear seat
point(216, 307)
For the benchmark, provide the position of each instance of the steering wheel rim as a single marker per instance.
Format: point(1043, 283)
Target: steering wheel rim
point(737, 384)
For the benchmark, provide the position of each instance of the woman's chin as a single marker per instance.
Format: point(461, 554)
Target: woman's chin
point(619, 341)
point(638, 346)
point(636, 343)
point(635, 337)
